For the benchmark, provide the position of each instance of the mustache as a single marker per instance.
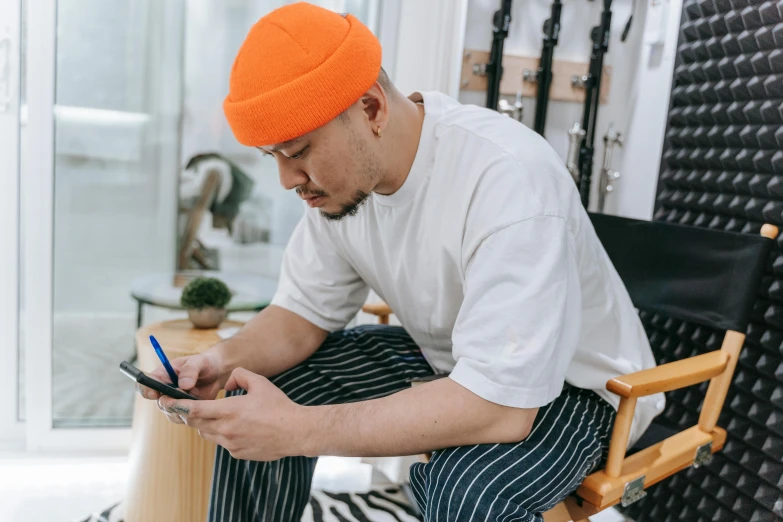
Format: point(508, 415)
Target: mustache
point(309, 193)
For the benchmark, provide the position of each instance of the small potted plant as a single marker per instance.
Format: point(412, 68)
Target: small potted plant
point(205, 299)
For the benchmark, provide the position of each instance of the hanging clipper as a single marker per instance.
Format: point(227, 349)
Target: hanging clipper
point(575, 135)
point(608, 176)
point(515, 111)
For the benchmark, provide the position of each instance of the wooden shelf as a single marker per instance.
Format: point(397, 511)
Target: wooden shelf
point(513, 72)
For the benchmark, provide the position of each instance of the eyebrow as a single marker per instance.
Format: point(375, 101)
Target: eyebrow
point(280, 146)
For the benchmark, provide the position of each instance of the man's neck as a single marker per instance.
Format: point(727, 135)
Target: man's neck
point(403, 134)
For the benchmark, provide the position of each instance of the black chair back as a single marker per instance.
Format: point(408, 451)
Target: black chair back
point(709, 277)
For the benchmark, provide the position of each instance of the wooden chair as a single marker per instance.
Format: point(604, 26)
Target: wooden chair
point(190, 248)
point(702, 276)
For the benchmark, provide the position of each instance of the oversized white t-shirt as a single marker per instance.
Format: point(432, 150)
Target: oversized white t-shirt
point(488, 260)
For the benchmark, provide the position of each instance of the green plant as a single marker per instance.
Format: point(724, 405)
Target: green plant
point(205, 292)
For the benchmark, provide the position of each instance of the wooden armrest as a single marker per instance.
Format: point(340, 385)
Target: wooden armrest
point(654, 463)
point(379, 309)
point(671, 376)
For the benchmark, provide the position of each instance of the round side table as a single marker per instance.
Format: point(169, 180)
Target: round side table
point(170, 470)
point(252, 292)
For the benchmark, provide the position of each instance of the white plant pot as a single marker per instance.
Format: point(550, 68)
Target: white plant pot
point(207, 317)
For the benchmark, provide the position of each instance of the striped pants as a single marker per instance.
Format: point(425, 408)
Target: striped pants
point(488, 482)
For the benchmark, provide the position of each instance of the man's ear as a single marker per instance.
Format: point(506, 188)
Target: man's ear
point(375, 104)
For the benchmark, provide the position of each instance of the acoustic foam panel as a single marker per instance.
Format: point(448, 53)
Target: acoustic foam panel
point(722, 168)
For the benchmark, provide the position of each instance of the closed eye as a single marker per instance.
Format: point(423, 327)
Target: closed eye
point(299, 154)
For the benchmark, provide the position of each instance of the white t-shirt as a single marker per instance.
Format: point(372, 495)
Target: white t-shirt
point(488, 260)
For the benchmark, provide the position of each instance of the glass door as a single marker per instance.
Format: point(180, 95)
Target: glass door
point(99, 197)
point(11, 426)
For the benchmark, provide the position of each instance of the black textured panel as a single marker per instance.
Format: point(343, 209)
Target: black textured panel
point(722, 167)
point(769, 13)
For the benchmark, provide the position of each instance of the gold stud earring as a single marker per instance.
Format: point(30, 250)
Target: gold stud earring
point(378, 131)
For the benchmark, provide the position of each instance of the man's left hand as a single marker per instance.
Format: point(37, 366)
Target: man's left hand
point(261, 425)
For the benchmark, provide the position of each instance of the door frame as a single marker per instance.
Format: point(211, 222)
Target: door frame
point(11, 428)
point(37, 210)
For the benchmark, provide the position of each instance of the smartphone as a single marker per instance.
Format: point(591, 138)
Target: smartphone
point(160, 387)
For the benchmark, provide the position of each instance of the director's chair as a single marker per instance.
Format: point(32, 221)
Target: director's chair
point(702, 276)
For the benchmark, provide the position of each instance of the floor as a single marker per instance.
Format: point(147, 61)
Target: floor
point(64, 488)
point(61, 489)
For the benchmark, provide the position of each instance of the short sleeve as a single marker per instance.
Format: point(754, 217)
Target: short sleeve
point(520, 320)
point(316, 282)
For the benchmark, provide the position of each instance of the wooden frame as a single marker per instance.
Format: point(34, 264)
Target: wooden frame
point(605, 488)
point(381, 310)
point(195, 215)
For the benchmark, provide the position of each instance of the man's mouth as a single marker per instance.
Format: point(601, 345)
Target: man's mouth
point(314, 201)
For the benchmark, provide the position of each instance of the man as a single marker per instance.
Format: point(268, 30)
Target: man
point(469, 226)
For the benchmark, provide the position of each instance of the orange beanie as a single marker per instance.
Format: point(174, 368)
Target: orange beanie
point(299, 67)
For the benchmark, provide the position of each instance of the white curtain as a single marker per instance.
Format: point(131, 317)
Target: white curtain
point(429, 46)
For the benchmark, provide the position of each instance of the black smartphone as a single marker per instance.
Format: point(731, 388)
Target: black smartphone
point(160, 387)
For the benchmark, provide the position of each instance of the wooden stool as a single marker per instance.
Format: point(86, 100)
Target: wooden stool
point(170, 470)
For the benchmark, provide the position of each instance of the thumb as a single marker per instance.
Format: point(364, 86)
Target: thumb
point(241, 378)
point(189, 372)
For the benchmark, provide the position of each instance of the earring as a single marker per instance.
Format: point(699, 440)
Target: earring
point(378, 131)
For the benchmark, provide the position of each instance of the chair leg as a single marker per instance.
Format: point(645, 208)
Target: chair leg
point(579, 512)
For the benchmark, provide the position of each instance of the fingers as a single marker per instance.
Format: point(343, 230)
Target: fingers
point(242, 378)
point(213, 437)
point(204, 410)
point(178, 407)
point(181, 414)
point(189, 372)
point(187, 368)
point(171, 416)
point(160, 374)
point(147, 393)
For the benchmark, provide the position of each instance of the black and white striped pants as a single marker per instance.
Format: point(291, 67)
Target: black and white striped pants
point(488, 482)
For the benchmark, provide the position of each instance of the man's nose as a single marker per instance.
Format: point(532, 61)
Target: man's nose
point(292, 177)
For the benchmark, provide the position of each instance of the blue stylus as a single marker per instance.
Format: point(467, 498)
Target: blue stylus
point(165, 361)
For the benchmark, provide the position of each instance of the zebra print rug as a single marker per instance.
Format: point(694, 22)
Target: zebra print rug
point(378, 505)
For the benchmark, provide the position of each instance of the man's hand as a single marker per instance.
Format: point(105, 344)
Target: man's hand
point(197, 375)
point(261, 425)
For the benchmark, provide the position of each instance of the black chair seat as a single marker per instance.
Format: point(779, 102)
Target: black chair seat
point(654, 434)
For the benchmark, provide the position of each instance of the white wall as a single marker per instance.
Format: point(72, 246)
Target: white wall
point(640, 161)
point(640, 84)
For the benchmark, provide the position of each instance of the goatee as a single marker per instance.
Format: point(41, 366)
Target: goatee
point(348, 209)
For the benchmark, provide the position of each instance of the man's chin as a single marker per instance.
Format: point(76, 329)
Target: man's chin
point(338, 212)
point(333, 214)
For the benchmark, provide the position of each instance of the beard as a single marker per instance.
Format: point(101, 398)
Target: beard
point(348, 209)
point(369, 166)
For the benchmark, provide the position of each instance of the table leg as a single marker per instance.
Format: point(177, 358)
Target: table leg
point(139, 312)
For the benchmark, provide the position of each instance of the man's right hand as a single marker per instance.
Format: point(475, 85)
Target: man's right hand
point(198, 375)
